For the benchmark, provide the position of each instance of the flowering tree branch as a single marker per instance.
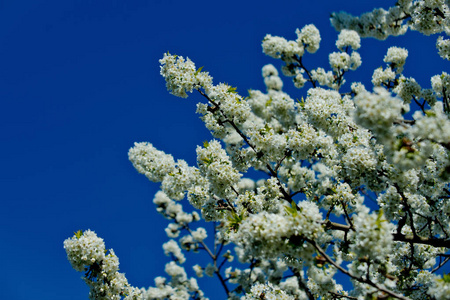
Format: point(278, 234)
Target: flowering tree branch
point(353, 156)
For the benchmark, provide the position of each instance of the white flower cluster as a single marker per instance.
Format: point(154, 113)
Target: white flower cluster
point(426, 16)
point(327, 110)
point(440, 289)
point(430, 17)
point(321, 282)
point(396, 57)
point(179, 287)
point(407, 89)
point(271, 78)
point(266, 291)
point(372, 236)
point(377, 111)
point(147, 160)
point(323, 77)
point(434, 126)
point(216, 166)
point(269, 235)
point(379, 23)
point(381, 76)
point(441, 84)
point(443, 46)
point(181, 75)
point(172, 210)
point(342, 61)
point(309, 36)
point(279, 47)
point(171, 248)
point(86, 252)
point(348, 38)
point(230, 103)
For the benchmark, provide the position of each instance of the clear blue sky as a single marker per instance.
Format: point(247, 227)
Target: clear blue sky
point(79, 83)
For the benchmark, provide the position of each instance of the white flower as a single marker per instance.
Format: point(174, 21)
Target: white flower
point(182, 76)
point(84, 250)
point(377, 111)
point(215, 165)
point(372, 236)
point(199, 234)
point(396, 57)
point(381, 76)
point(348, 38)
point(278, 47)
point(443, 46)
point(407, 88)
point(151, 162)
point(309, 36)
point(340, 61)
point(198, 271)
point(440, 288)
point(171, 248)
point(266, 291)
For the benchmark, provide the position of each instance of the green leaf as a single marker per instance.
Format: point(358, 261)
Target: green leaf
point(292, 210)
point(301, 102)
point(207, 161)
point(379, 218)
point(78, 234)
point(446, 278)
point(232, 90)
point(235, 220)
point(205, 144)
point(430, 113)
point(199, 70)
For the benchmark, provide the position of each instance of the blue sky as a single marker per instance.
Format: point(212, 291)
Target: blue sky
point(79, 83)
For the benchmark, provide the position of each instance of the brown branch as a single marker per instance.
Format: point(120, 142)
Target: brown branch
point(398, 237)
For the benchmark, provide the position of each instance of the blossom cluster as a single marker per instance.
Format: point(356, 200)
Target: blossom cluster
point(86, 252)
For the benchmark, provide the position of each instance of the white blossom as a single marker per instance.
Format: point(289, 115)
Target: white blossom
point(348, 38)
point(309, 36)
point(396, 57)
point(443, 46)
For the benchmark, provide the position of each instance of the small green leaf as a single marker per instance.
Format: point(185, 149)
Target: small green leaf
point(78, 234)
point(235, 220)
point(205, 144)
point(379, 218)
point(207, 161)
point(430, 113)
point(232, 90)
point(301, 102)
point(292, 210)
point(199, 70)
